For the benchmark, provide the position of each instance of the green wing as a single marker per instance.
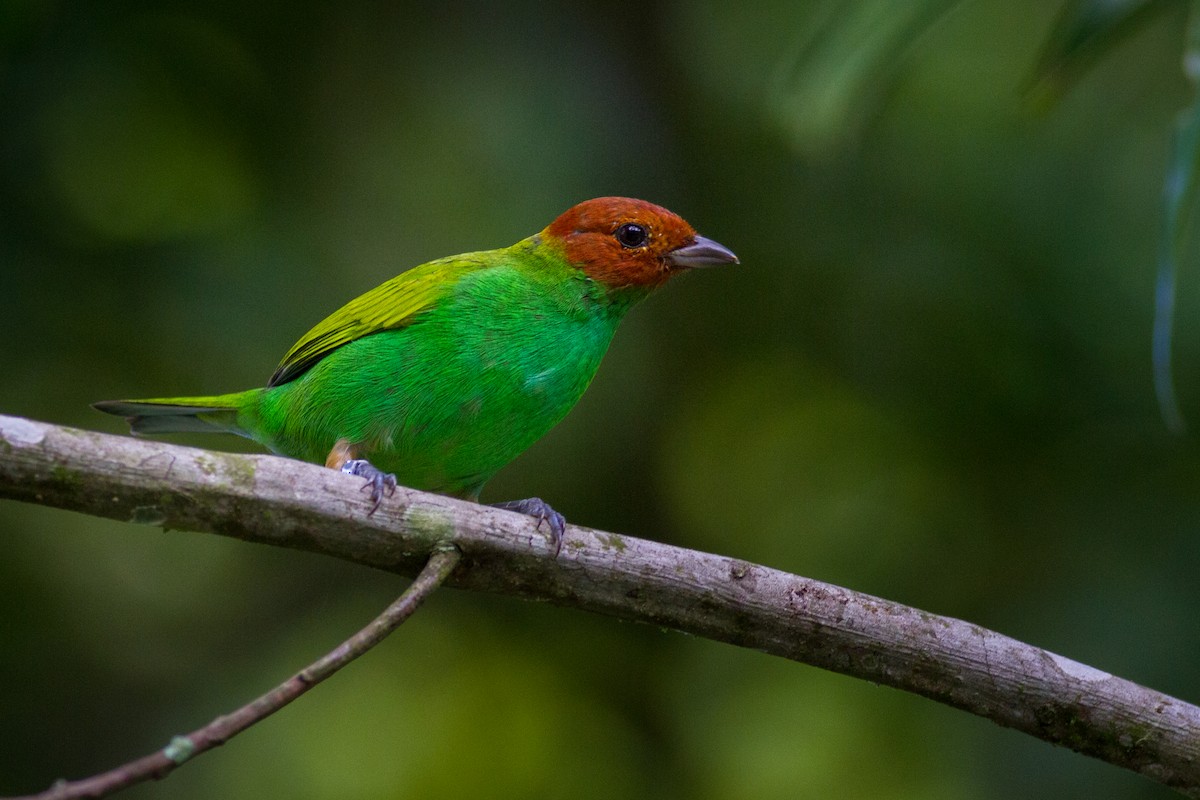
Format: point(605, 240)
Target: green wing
point(391, 305)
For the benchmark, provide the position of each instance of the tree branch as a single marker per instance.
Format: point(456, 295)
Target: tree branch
point(182, 749)
point(290, 504)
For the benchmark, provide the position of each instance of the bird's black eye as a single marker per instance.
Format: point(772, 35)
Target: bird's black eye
point(632, 235)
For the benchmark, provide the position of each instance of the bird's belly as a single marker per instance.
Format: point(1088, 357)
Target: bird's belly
point(452, 435)
point(442, 419)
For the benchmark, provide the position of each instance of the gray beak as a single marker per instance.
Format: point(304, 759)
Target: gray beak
point(703, 252)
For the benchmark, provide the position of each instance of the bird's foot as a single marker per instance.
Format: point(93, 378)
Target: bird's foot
point(540, 510)
point(378, 481)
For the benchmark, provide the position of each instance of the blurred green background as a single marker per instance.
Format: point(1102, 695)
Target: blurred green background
point(929, 379)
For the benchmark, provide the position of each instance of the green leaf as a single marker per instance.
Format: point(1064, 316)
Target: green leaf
point(1085, 32)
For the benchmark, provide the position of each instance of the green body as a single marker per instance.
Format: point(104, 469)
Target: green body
point(442, 375)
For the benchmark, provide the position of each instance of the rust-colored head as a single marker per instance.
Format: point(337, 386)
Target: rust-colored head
point(623, 242)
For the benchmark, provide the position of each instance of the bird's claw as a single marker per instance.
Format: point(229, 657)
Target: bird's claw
point(540, 510)
point(378, 481)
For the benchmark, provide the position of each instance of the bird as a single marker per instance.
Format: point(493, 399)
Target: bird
point(439, 377)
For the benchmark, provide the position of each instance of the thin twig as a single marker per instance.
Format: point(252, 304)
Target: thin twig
point(181, 749)
point(289, 504)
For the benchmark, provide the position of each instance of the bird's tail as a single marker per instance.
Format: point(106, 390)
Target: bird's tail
point(183, 414)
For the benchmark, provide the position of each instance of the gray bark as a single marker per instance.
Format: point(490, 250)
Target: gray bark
point(290, 504)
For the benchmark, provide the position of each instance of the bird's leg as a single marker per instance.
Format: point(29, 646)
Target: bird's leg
point(540, 510)
point(344, 458)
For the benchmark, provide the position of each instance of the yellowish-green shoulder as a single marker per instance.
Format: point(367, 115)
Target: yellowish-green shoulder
point(391, 305)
